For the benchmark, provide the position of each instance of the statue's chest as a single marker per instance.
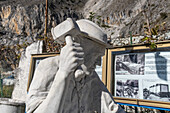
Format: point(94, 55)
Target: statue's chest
point(82, 99)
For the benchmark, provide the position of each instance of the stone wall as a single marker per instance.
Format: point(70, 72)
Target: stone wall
point(20, 89)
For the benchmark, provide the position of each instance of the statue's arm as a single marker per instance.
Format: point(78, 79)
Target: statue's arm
point(42, 84)
point(108, 105)
point(71, 57)
point(55, 97)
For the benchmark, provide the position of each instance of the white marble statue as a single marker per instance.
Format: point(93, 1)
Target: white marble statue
point(68, 83)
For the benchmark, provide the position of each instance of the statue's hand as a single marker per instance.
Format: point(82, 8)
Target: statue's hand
point(71, 56)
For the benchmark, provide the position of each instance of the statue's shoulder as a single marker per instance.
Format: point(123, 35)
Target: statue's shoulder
point(50, 61)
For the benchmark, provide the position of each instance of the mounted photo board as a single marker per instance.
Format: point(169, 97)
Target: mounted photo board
point(35, 60)
point(138, 76)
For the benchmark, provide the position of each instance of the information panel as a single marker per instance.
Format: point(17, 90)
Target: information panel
point(143, 75)
point(139, 76)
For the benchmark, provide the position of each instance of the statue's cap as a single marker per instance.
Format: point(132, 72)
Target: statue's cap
point(83, 27)
point(92, 31)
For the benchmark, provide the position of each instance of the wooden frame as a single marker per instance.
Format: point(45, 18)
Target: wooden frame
point(104, 68)
point(109, 80)
point(35, 59)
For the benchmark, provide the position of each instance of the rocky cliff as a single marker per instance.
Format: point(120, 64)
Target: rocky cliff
point(126, 16)
point(23, 21)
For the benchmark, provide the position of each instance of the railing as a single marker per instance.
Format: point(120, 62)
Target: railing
point(1, 85)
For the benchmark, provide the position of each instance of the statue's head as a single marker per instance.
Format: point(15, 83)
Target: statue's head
point(92, 31)
point(82, 27)
point(94, 41)
point(90, 36)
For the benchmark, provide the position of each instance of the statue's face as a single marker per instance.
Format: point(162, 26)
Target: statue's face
point(93, 52)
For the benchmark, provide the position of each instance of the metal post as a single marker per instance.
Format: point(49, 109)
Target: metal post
point(136, 110)
point(1, 85)
point(46, 18)
point(130, 33)
point(45, 30)
point(162, 111)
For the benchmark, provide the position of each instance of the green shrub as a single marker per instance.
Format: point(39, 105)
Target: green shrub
point(7, 91)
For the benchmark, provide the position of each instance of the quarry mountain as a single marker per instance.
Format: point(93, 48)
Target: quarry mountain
point(23, 21)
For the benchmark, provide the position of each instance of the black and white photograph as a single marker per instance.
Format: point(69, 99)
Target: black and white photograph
point(99, 70)
point(35, 60)
point(127, 88)
point(156, 90)
point(130, 64)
